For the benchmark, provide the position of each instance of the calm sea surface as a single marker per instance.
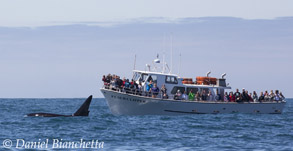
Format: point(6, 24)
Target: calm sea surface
point(187, 132)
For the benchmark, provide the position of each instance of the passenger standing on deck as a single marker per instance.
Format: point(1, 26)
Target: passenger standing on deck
point(272, 95)
point(226, 97)
point(244, 96)
point(197, 96)
point(237, 96)
point(149, 87)
point(266, 96)
point(132, 87)
point(139, 88)
point(123, 82)
point(232, 97)
point(249, 96)
point(164, 92)
point(261, 97)
point(218, 96)
point(178, 95)
point(254, 97)
point(282, 96)
point(116, 83)
point(112, 83)
point(104, 79)
point(120, 84)
point(204, 95)
point(184, 96)
point(127, 86)
point(277, 96)
point(108, 78)
point(191, 95)
point(155, 90)
point(210, 96)
point(136, 87)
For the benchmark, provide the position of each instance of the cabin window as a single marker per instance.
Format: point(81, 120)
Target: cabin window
point(175, 89)
point(136, 76)
point(171, 80)
point(194, 90)
point(153, 78)
point(143, 77)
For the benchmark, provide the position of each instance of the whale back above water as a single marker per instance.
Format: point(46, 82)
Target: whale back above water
point(82, 111)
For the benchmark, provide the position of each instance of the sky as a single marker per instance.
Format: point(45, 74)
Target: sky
point(61, 48)
point(52, 12)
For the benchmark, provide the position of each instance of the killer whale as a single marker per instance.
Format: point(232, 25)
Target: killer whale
point(82, 111)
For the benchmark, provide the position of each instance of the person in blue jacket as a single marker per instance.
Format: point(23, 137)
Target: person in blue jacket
point(149, 87)
point(155, 90)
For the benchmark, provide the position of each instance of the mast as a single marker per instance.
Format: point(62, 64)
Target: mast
point(171, 53)
point(134, 65)
point(179, 64)
point(164, 47)
point(134, 62)
point(164, 62)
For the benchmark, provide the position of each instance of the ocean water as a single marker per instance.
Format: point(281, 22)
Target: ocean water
point(187, 132)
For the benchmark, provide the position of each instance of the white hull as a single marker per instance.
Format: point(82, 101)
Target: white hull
point(127, 104)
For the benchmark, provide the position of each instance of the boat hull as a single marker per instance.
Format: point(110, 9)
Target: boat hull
point(121, 103)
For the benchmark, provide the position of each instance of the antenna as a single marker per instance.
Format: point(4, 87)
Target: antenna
point(164, 62)
point(134, 65)
point(168, 68)
point(164, 45)
point(171, 52)
point(179, 67)
point(134, 62)
point(156, 61)
point(148, 66)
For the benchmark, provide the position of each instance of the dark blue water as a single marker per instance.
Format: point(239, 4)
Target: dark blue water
point(188, 132)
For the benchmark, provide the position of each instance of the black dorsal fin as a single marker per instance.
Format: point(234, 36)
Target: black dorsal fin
point(84, 108)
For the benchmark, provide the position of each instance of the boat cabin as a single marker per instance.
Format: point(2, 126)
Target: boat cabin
point(173, 82)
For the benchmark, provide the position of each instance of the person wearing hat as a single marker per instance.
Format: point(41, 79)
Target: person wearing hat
point(177, 95)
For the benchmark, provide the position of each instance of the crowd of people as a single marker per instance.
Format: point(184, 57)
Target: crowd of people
point(151, 89)
point(197, 96)
point(253, 97)
point(231, 97)
point(114, 82)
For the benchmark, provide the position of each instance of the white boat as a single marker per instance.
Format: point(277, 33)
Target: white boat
point(123, 101)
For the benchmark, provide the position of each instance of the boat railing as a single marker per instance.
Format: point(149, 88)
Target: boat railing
point(138, 92)
point(160, 95)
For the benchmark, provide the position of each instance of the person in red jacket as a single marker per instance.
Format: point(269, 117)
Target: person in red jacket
point(232, 97)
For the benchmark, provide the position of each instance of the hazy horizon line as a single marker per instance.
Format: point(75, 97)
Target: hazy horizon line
point(142, 20)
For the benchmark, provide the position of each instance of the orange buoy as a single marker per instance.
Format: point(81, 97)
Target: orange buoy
point(206, 80)
point(187, 79)
point(184, 82)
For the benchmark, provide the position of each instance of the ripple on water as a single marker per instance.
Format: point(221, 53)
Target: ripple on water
point(186, 132)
